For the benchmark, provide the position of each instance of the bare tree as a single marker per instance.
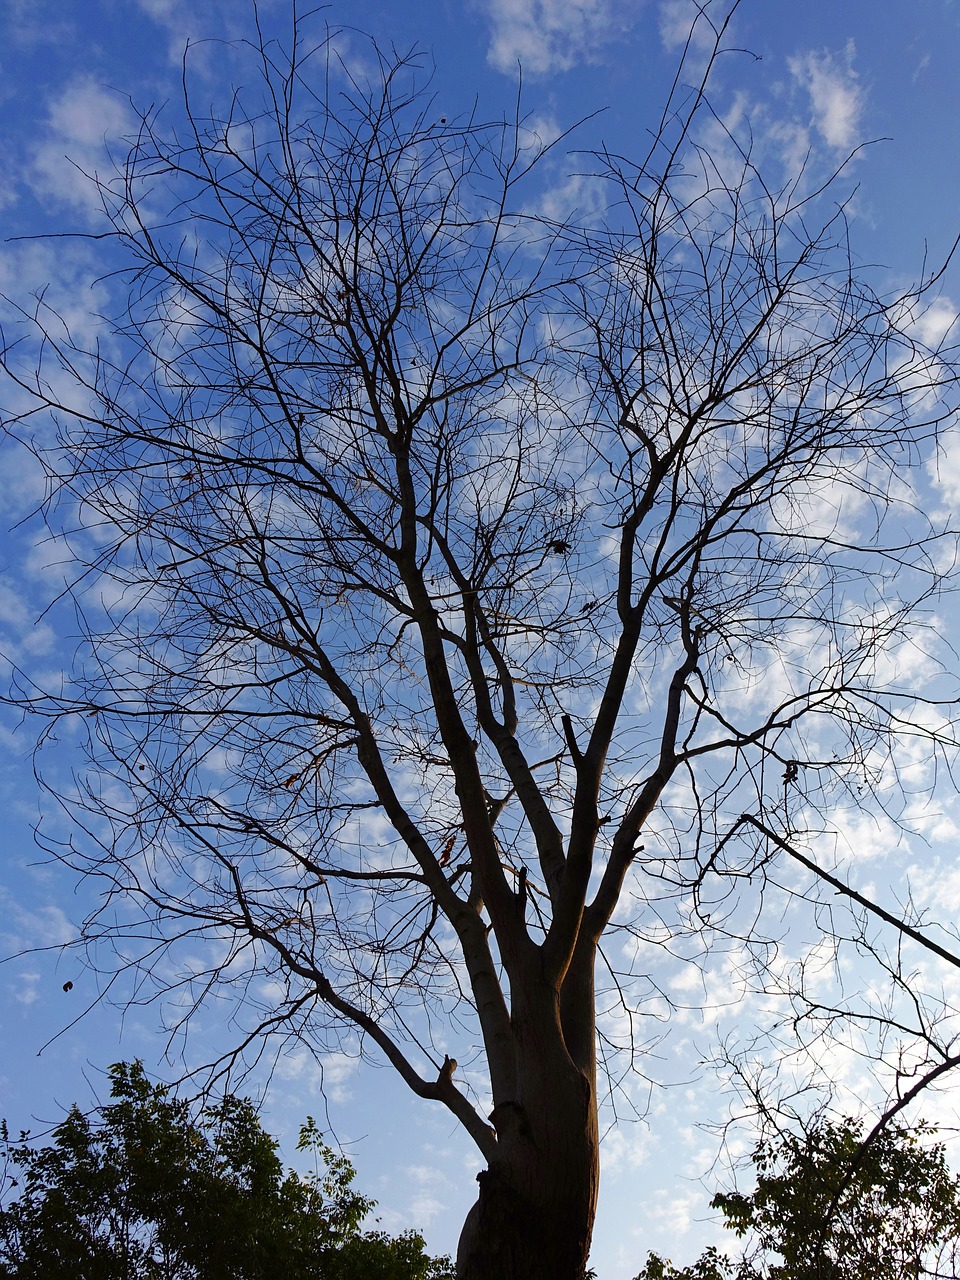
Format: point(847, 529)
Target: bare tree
point(461, 577)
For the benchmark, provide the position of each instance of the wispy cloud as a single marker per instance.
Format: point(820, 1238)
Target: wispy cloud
point(81, 122)
point(683, 20)
point(836, 96)
point(33, 23)
point(207, 27)
point(26, 928)
point(546, 36)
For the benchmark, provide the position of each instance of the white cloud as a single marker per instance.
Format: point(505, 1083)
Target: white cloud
point(944, 467)
point(935, 322)
point(34, 23)
point(81, 123)
point(27, 988)
point(166, 12)
point(553, 35)
point(21, 635)
point(540, 131)
point(25, 928)
point(680, 21)
point(425, 1204)
point(836, 97)
point(579, 198)
point(8, 184)
point(206, 27)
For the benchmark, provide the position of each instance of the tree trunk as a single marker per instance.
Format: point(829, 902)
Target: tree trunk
point(534, 1216)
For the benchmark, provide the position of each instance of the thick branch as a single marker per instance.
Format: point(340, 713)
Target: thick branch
point(873, 907)
point(440, 1090)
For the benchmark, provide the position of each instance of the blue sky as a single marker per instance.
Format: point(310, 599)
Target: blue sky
point(817, 77)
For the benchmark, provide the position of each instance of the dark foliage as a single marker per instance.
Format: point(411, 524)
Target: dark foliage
point(830, 1206)
point(147, 1189)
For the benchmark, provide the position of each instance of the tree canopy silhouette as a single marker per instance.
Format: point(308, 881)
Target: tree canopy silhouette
point(148, 1188)
point(473, 597)
point(831, 1204)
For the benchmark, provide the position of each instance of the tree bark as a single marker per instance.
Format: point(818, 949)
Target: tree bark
point(534, 1216)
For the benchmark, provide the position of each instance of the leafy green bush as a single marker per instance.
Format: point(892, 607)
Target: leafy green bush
point(828, 1207)
point(146, 1190)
